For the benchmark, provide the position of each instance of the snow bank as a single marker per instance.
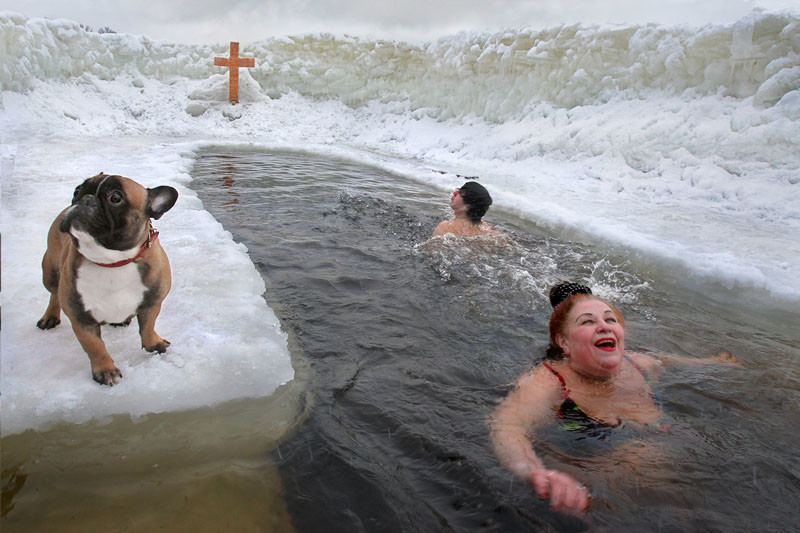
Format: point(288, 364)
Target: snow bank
point(493, 76)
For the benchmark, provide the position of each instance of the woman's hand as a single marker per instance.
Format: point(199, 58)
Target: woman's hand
point(565, 493)
point(727, 358)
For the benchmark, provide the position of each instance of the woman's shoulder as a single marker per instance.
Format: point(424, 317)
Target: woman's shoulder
point(542, 377)
point(644, 361)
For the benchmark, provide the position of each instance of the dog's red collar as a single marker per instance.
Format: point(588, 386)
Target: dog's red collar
point(151, 238)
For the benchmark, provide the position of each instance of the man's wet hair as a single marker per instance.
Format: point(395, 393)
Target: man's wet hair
point(477, 199)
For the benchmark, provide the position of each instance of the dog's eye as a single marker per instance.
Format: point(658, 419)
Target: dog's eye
point(115, 197)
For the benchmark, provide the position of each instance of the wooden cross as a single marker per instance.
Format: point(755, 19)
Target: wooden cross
point(234, 63)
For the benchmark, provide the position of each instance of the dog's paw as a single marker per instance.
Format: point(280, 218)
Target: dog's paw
point(159, 347)
point(48, 322)
point(107, 376)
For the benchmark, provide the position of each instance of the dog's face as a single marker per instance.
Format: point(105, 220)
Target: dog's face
point(111, 212)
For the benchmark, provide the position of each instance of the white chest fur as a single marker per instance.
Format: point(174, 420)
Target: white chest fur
point(111, 295)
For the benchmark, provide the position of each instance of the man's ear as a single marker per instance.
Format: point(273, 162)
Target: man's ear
point(160, 200)
point(562, 342)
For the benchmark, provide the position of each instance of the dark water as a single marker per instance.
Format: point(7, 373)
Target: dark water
point(411, 345)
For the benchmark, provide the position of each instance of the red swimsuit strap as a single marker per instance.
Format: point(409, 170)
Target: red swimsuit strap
point(560, 378)
point(564, 383)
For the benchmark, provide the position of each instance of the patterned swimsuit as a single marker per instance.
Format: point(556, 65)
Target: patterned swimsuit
point(574, 419)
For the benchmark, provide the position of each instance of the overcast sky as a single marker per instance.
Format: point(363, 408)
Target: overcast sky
point(213, 21)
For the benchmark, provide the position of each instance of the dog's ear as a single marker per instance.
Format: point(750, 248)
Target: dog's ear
point(160, 200)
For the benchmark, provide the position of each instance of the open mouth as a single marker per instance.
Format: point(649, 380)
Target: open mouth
point(607, 344)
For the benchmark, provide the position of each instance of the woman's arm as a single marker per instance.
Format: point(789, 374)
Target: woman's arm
point(672, 359)
point(653, 363)
point(529, 404)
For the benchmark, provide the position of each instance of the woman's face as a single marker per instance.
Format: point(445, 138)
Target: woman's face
point(593, 339)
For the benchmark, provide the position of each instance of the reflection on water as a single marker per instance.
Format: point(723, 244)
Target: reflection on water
point(228, 183)
point(413, 342)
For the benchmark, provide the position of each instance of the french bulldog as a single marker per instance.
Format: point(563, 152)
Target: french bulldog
point(104, 265)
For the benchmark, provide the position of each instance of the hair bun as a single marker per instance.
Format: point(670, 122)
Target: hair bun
point(563, 290)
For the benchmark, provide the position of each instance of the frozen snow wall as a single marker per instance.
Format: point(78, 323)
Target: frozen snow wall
point(493, 76)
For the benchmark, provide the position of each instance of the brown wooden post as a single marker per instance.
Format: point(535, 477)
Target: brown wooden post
point(233, 64)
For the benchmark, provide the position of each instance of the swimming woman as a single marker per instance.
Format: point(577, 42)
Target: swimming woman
point(469, 204)
point(589, 379)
